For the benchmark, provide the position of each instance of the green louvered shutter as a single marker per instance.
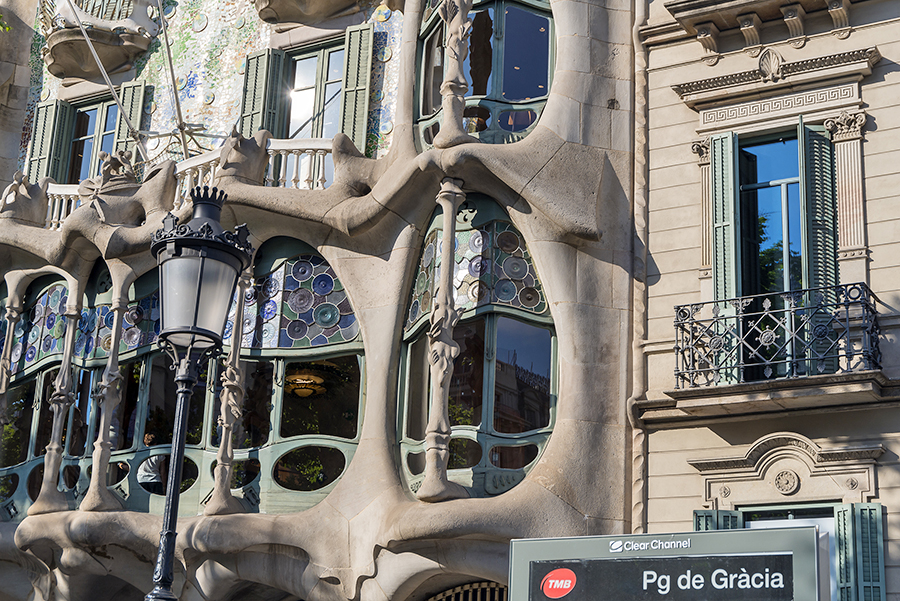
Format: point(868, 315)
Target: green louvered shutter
point(50, 141)
point(722, 179)
point(357, 78)
point(869, 537)
point(719, 519)
point(131, 95)
point(264, 93)
point(845, 543)
point(820, 266)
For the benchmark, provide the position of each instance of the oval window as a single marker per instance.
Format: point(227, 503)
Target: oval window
point(309, 468)
point(153, 474)
point(463, 453)
point(34, 481)
point(476, 119)
point(416, 463)
point(516, 120)
point(8, 486)
point(513, 458)
point(115, 472)
point(242, 472)
point(70, 476)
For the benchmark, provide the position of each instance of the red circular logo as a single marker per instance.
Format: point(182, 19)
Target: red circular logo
point(558, 583)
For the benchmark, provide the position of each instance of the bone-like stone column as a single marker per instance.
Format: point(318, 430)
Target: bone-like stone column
point(853, 253)
point(98, 497)
point(231, 401)
point(441, 353)
point(455, 14)
point(50, 498)
point(13, 315)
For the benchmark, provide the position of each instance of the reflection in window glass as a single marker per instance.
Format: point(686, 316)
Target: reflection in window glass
point(513, 458)
point(16, 424)
point(321, 397)
point(522, 377)
point(8, 486)
point(416, 463)
point(516, 120)
point(479, 61)
point(70, 476)
point(463, 453)
point(81, 411)
point(243, 472)
point(468, 374)
point(419, 393)
point(252, 428)
point(476, 119)
point(434, 72)
point(33, 484)
point(526, 55)
point(309, 468)
point(121, 427)
point(45, 416)
point(161, 404)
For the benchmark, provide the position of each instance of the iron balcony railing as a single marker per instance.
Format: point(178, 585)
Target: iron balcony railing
point(776, 336)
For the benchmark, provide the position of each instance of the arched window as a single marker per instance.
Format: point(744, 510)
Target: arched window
point(508, 69)
point(502, 393)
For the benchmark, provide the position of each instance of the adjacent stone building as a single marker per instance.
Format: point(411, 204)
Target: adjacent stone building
point(670, 306)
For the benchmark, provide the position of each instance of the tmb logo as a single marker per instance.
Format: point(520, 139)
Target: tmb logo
point(558, 583)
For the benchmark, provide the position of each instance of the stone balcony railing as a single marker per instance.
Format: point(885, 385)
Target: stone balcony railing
point(119, 30)
point(302, 164)
point(777, 336)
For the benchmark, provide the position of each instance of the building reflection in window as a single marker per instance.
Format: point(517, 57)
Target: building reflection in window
point(321, 397)
point(252, 428)
point(16, 424)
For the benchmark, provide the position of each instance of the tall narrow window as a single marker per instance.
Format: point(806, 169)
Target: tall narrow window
point(95, 131)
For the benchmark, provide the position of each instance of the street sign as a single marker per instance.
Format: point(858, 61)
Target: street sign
point(726, 565)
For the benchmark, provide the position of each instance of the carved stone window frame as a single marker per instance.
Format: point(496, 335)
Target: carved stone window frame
point(788, 467)
point(767, 98)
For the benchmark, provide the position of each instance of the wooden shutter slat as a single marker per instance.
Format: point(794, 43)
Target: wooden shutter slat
point(357, 80)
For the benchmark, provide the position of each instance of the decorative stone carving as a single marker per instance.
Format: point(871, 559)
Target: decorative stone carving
point(455, 14)
point(793, 18)
point(708, 36)
point(865, 59)
point(846, 126)
point(770, 65)
point(784, 460)
point(701, 149)
point(840, 15)
point(787, 482)
point(750, 26)
point(307, 12)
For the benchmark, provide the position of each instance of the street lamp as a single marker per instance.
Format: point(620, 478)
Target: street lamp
point(199, 265)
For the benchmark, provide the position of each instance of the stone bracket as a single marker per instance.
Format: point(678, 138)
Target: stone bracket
point(793, 18)
point(750, 27)
point(840, 15)
point(708, 36)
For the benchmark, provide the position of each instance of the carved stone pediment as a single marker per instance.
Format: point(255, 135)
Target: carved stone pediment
point(726, 13)
point(788, 467)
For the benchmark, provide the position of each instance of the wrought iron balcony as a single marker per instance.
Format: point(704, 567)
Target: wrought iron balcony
point(777, 336)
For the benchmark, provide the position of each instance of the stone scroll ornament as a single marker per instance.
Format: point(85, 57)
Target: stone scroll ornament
point(231, 400)
point(441, 353)
point(51, 499)
point(107, 394)
point(455, 14)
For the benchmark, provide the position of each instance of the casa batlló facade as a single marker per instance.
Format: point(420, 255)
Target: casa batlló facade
point(672, 304)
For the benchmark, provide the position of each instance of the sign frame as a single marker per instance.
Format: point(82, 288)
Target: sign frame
point(803, 544)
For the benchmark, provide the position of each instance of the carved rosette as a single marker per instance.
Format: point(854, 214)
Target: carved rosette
point(846, 126)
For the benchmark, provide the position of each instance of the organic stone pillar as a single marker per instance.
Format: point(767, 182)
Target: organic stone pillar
point(13, 315)
point(98, 497)
point(442, 351)
point(230, 403)
point(50, 498)
point(455, 14)
point(853, 253)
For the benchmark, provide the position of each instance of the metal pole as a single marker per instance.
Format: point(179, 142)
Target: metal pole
point(163, 575)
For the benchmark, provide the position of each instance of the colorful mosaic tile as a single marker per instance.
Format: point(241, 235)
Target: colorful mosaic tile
point(40, 333)
point(492, 266)
point(300, 304)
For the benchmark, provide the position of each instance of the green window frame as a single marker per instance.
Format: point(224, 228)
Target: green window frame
point(859, 545)
point(63, 128)
point(818, 213)
point(269, 79)
point(489, 115)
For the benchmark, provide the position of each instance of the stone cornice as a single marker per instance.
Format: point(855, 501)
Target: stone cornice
point(772, 71)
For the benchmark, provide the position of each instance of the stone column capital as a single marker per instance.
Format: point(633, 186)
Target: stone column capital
point(846, 126)
point(701, 149)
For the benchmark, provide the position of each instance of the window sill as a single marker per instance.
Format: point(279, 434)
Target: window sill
point(807, 393)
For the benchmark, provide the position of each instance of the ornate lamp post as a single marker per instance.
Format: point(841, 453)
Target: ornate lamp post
point(199, 265)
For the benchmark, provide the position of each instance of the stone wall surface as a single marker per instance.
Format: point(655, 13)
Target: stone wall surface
point(566, 188)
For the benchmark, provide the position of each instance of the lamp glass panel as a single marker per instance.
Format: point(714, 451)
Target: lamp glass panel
point(180, 277)
point(216, 291)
